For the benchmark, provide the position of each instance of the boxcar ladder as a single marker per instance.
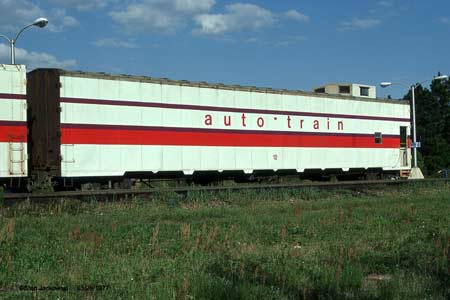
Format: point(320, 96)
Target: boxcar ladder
point(17, 158)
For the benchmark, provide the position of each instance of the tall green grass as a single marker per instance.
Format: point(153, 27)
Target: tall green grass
point(387, 243)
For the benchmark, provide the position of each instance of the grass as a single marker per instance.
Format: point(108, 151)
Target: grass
point(388, 243)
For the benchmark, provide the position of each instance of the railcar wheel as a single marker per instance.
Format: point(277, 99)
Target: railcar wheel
point(90, 186)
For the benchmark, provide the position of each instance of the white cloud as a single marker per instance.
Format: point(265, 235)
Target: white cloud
point(297, 16)
point(359, 24)
point(15, 14)
point(168, 16)
point(69, 21)
point(84, 4)
point(290, 41)
point(158, 15)
point(253, 40)
point(281, 42)
point(114, 43)
point(35, 59)
point(194, 5)
point(385, 3)
point(238, 17)
point(58, 20)
point(141, 17)
point(444, 20)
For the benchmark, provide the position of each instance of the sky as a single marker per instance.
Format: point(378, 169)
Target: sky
point(286, 44)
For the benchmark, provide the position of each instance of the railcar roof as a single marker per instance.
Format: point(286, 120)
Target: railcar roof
point(204, 84)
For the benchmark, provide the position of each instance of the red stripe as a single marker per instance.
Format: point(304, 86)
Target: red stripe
point(13, 132)
point(13, 96)
point(174, 137)
point(227, 109)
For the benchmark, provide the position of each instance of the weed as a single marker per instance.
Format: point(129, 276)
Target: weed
point(7, 232)
point(310, 194)
point(269, 244)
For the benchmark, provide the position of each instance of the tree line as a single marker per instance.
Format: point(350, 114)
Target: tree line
point(433, 125)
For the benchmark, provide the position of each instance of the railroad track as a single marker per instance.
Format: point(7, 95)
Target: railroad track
point(125, 193)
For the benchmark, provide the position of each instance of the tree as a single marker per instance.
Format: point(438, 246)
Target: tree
point(441, 91)
point(433, 125)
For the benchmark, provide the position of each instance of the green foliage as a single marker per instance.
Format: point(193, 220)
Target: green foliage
point(392, 243)
point(433, 125)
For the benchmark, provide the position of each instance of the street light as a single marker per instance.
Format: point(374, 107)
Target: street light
point(40, 22)
point(413, 104)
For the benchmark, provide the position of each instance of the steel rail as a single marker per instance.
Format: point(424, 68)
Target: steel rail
point(17, 197)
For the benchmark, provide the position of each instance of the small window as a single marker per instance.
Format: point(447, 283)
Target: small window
point(344, 89)
point(378, 138)
point(364, 91)
point(320, 90)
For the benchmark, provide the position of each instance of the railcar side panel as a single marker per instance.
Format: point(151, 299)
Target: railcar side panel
point(115, 160)
point(13, 129)
point(113, 125)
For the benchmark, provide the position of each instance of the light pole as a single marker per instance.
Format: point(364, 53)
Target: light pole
point(413, 105)
point(40, 22)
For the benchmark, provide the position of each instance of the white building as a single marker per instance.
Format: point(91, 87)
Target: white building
point(348, 89)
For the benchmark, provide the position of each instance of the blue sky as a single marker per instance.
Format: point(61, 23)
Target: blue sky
point(289, 44)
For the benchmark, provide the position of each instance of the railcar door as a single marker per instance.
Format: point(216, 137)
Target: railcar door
point(404, 146)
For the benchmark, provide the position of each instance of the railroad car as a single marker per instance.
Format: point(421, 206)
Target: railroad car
point(13, 129)
point(88, 126)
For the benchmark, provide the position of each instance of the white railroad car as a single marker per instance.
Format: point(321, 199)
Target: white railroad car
point(13, 126)
point(97, 125)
